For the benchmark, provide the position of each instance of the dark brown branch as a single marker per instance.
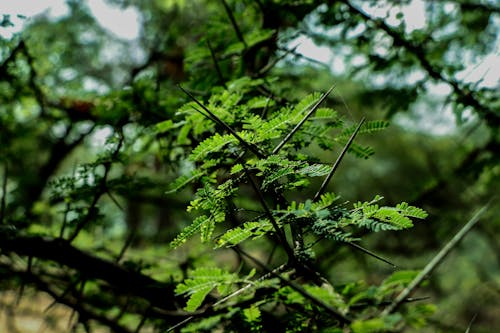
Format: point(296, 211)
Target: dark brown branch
point(4, 192)
point(60, 251)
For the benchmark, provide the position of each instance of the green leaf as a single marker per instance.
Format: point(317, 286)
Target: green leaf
point(213, 144)
point(379, 324)
point(315, 170)
point(239, 234)
point(367, 128)
point(325, 114)
point(260, 102)
point(411, 211)
point(201, 282)
point(164, 126)
point(189, 231)
point(184, 180)
point(198, 297)
point(252, 314)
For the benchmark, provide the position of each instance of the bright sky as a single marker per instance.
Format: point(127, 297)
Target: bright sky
point(123, 23)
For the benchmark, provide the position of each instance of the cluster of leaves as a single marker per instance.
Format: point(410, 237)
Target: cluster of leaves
point(252, 144)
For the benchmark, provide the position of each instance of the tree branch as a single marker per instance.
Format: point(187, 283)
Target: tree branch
point(435, 261)
point(158, 293)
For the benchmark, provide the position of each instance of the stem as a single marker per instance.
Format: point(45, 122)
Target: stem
point(4, 193)
point(254, 149)
point(337, 162)
point(296, 128)
point(233, 22)
point(334, 312)
point(278, 230)
point(362, 249)
point(216, 64)
point(436, 260)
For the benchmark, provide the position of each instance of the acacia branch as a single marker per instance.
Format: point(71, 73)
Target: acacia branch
point(279, 232)
point(302, 121)
point(332, 311)
point(337, 162)
point(210, 115)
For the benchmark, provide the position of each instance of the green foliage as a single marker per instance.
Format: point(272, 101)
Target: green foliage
point(237, 235)
point(203, 280)
point(232, 167)
point(371, 216)
point(380, 324)
point(101, 152)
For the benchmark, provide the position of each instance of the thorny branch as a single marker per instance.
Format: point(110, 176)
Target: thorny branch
point(436, 260)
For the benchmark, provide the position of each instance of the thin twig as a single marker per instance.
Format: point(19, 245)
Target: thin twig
point(470, 323)
point(362, 249)
point(228, 297)
point(23, 282)
point(143, 321)
point(385, 303)
point(277, 229)
point(65, 220)
point(254, 149)
point(296, 128)
point(112, 197)
point(233, 22)
point(273, 63)
point(337, 162)
point(436, 260)
point(216, 64)
point(126, 245)
point(4, 193)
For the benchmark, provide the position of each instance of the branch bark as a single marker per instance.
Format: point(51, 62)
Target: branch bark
point(158, 293)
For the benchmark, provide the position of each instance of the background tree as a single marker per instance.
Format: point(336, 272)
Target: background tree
point(101, 153)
